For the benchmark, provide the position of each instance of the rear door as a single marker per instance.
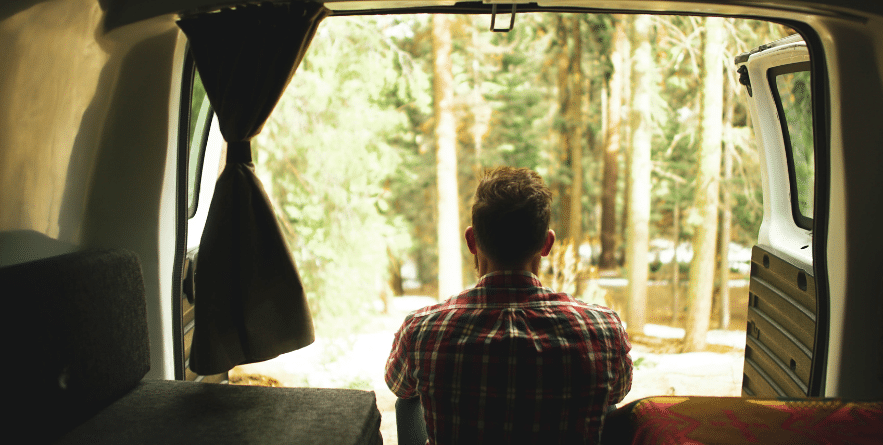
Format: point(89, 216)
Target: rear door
point(787, 321)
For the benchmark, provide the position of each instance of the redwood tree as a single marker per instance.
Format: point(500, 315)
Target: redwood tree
point(450, 275)
point(707, 188)
point(638, 232)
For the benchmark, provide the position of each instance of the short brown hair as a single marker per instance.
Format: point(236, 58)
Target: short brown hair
point(510, 214)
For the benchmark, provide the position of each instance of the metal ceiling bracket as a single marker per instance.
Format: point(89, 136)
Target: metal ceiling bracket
point(494, 28)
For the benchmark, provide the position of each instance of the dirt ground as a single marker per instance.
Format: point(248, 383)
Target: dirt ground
point(660, 301)
point(659, 367)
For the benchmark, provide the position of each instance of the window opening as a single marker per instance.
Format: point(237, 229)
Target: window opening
point(200, 122)
point(792, 93)
point(349, 157)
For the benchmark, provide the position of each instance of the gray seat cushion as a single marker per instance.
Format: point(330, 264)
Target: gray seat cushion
point(80, 330)
point(81, 334)
point(171, 412)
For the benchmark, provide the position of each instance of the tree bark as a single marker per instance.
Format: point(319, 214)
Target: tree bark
point(575, 125)
point(611, 152)
point(481, 111)
point(726, 216)
point(450, 277)
point(627, 111)
point(638, 235)
point(675, 265)
point(707, 189)
point(575, 133)
point(564, 190)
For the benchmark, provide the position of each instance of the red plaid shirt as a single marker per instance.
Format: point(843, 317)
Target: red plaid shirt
point(511, 362)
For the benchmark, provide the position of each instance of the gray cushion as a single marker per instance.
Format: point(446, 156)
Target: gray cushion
point(81, 328)
point(171, 412)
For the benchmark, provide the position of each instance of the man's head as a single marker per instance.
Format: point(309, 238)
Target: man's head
point(510, 216)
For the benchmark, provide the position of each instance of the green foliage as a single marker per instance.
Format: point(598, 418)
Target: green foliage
point(794, 96)
point(642, 362)
point(521, 100)
point(678, 44)
point(330, 146)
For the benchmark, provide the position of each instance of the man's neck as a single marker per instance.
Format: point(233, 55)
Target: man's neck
point(486, 266)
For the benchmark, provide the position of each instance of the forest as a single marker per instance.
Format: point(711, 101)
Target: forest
point(637, 123)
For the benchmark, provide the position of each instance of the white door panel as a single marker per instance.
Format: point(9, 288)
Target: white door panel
point(778, 231)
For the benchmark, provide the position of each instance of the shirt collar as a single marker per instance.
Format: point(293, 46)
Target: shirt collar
point(509, 278)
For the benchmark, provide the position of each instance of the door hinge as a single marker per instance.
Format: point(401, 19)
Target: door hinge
point(744, 79)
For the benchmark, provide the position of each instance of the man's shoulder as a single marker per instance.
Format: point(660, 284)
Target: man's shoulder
point(470, 301)
point(427, 311)
point(597, 308)
point(564, 298)
point(594, 307)
point(597, 314)
point(433, 310)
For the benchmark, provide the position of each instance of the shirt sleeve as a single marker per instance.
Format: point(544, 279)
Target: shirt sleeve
point(622, 365)
point(399, 369)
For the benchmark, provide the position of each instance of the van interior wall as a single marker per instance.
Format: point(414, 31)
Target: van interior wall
point(854, 241)
point(88, 156)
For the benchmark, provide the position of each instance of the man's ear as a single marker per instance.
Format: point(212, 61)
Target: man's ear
point(547, 245)
point(470, 240)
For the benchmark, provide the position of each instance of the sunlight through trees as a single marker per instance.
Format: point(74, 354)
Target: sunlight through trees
point(371, 156)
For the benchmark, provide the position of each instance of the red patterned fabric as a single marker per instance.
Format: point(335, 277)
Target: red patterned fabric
point(512, 362)
point(736, 420)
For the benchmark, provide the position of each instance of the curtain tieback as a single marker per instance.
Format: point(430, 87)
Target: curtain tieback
point(239, 152)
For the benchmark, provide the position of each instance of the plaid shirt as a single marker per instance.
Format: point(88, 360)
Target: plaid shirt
point(510, 361)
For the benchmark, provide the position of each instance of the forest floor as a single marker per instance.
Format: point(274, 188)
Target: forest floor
point(358, 362)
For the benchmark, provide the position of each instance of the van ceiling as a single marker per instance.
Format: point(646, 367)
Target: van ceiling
point(123, 12)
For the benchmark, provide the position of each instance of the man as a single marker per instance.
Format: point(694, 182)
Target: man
point(510, 361)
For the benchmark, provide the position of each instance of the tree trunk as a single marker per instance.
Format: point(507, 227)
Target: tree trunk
point(395, 273)
point(611, 152)
point(575, 133)
point(675, 265)
point(707, 189)
point(481, 110)
point(564, 189)
point(638, 234)
point(726, 216)
point(575, 127)
point(450, 277)
point(628, 26)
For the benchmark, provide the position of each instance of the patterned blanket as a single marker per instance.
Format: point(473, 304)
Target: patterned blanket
point(738, 420)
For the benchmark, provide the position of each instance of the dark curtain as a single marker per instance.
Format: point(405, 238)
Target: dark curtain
point(250, 303)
